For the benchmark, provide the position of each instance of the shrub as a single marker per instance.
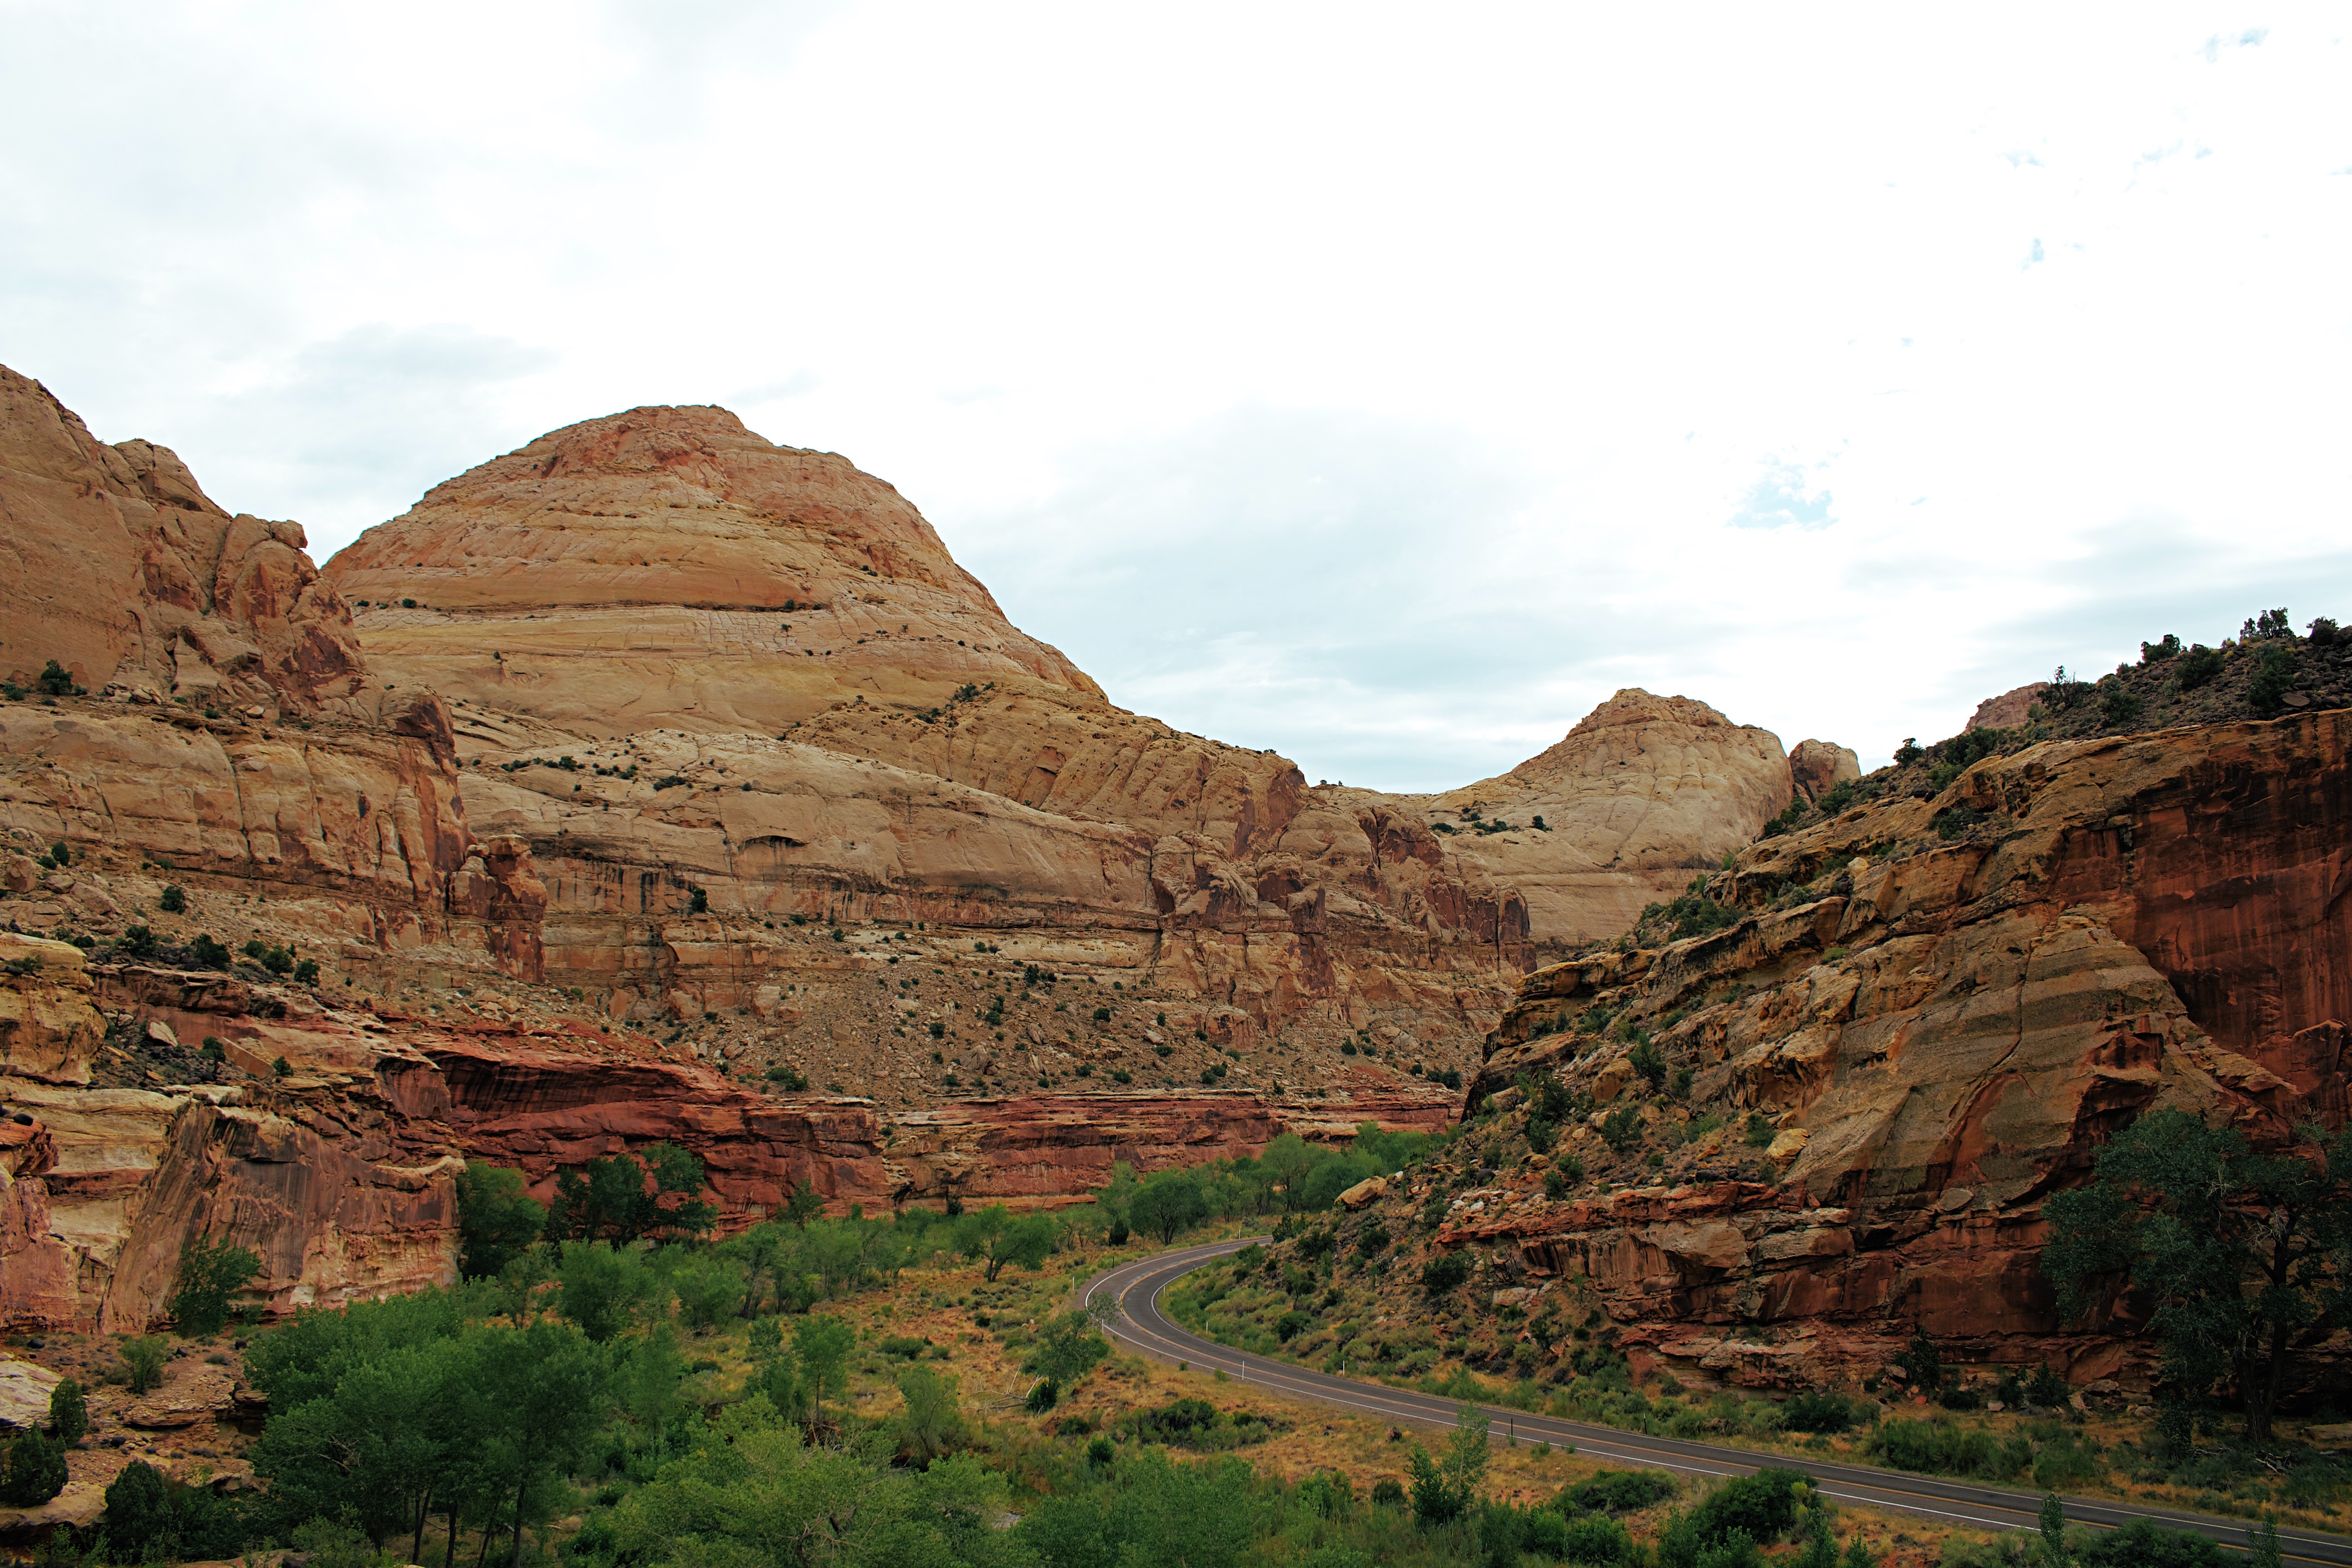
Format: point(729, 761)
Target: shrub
point(1290, 1325)
point(2324, 632)
point(2118, 703)
point(698, 902)
point(2198, 667)
point(784, 1078)
point(142, 1361)
point(68, 1412)
point(32, 1470)
point(1448, 1272)
point(1761, 1506)
point(1622, 1128)
point(1817, 1412)
point(2046, 1387)
point(136, 941)
point(55, 681)
point(2156, 652)
point(1760, 1130)
point(1541, 1134)
point(1043, 1396)
point(1616, 1492)
point(1941, 1449)
point(173, 901)
point(206, 953)
point(1650, 1063)
point(2144, 1544)
point(2273, 677)
point(2065, 1465)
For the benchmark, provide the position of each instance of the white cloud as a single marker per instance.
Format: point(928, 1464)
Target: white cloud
point(1323, 378)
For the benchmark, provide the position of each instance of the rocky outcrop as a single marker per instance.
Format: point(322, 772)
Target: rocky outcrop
point(1816, 767)
point(127, 574)
point(2008, 709)
point(1643, 793)
point(1938, 1008)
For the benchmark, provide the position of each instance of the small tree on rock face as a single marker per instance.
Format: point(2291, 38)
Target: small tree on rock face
point(210, 1272)
point(804, 1205)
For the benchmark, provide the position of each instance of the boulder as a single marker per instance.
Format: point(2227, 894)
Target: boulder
point(1364, 1191)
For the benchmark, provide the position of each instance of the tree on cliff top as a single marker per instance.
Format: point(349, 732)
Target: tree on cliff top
point(2237, 1252)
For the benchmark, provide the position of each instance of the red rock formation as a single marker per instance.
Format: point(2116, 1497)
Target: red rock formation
point(1943, 1029)
point(127, 573)
point(2008, 709)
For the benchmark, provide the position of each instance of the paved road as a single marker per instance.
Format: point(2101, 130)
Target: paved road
point(1136, 1286)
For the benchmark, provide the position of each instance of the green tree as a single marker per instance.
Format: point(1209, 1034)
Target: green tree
point(996, 1238)
point(1444, 1488)
point(604, 1289)
point(32, 1470)
point(931, 1423)
point(1071, 1343)
point(68, 1412)
point(2053, 1532)
point(544, 1397)
point(624, 1197)
point(210, 1272)
point(2263, 1548)
point(1168, 1203)
point(2233, 1247)
point(822, 1345)
point(804, 1205)
point(138, 1510)
point(496, 1218)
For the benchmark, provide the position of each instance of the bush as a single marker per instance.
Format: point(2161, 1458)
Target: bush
point(2065, 1465)
point(1941, 1449)
point(2198, 667)
point(1288, 1326)
point(2273, 677)
point(1445, 1273)
point(1762, 1507)
point(32, 1470)
point(1622, 1128)
point(1616, 1492)
point(1817, 1412)
point(69, 1413)
point(1760, 1130)
point(173, 901)
point(2046, 1387)
point(206, 953)
point(2142, 1545)
point(1648, 1062)
point(55, 681)
point(2323, 632)
point(2156, 653)
point(143, 1360)
point(1042, 1396)
point(2118, 703)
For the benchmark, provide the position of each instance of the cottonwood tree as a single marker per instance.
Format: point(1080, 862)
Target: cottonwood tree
point(2238, 1252)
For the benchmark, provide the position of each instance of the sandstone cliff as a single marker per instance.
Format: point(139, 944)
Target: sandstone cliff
point(126, 573)
point(680, 765)
point(1935, 1009)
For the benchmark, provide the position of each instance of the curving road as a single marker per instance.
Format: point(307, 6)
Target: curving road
point(1136, 1286)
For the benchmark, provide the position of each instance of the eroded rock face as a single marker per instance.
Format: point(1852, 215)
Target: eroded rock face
point(126, 573)
point(1816, 767)
point(730, 750)
point(1956, 1001)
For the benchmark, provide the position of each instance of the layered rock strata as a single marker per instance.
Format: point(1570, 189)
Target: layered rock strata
point(1941, 1007)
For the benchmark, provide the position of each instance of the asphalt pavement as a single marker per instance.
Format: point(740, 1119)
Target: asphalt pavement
point(1139, 1322)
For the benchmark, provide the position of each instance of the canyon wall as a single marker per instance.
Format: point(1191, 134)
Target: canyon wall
point(1940, 1007)
point(654, 782)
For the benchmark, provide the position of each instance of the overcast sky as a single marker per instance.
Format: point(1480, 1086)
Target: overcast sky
point(1386, 386)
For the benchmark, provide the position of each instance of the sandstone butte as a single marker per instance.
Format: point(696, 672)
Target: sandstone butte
point(1943, 1017)
point(657, 760)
